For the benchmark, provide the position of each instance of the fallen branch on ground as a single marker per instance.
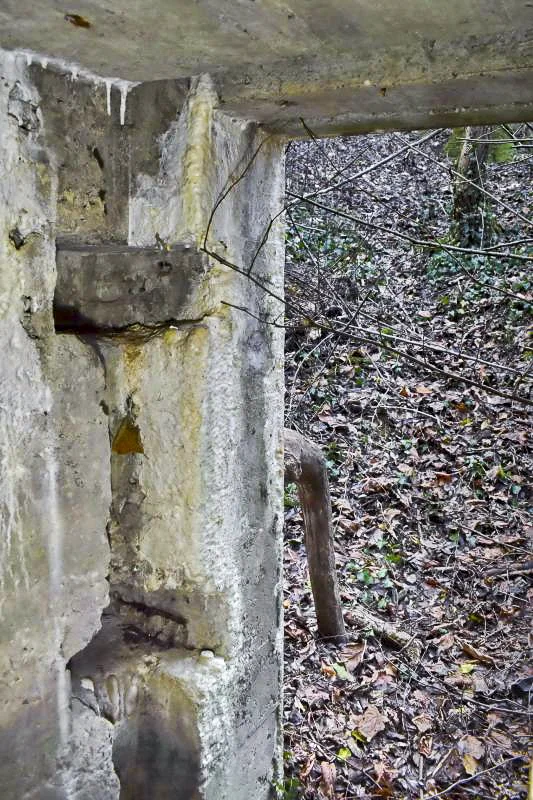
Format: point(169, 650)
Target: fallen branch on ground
point(360, 617)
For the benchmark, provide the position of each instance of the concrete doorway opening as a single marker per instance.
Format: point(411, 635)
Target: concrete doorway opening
point(406, 361)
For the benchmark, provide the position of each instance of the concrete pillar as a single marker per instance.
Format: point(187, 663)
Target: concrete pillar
point(141, 454)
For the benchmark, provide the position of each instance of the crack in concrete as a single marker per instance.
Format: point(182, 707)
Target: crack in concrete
point(135, 332)
point(150, 611)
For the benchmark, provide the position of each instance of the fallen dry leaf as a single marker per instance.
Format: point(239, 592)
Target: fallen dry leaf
point(479, 683)
point(385, 775)
point(405, 468)
point(477, 654)
point(501, 740)
point(307, 767)
point(384, 772)
point(470, 764)
point(446, 641)
point(469, 745)
point(370, 723)
point(329, 776)
point(425, 745)
point(423, 722)
point(353, 655)
point(327, 419)
point(459, 680)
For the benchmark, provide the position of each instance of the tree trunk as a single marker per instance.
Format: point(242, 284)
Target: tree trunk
point(470, 225)
point(305, 466)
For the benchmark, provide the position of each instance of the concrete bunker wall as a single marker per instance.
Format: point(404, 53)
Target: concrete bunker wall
point(141, 423)
point(141, 447)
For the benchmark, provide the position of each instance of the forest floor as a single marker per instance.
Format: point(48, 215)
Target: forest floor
point(429, 480)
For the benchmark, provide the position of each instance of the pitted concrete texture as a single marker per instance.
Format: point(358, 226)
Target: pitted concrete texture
point(54, 460)
point(112, 286)
point(343, 66)
point(141, 456)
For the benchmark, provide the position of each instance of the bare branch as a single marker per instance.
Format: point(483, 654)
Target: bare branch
point(499, 201)
point(463, 781)
point(372, 167)
point(405, 236)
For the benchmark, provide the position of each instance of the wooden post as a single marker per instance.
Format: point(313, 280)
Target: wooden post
point(305, 466)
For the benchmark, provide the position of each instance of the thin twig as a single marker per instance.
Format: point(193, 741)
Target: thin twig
point(427, 366)
point(413, 240)
point(473, 777)
point(232, 185)
point(454, 172)
point(371, 167)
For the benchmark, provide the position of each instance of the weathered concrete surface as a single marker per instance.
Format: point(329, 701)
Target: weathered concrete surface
point(99, 158)
point(195, 516)
point(54, 453)
point(112, 286)
point(342, 66)
point(140, 613)
point(141, 463)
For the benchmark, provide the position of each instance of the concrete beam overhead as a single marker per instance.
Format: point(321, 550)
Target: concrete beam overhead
point(342, 66)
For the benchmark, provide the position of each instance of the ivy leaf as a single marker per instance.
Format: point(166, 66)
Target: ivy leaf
point(344, 753)
point(342, 672)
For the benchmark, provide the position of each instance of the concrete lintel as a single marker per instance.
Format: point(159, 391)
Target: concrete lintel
point(344, 67)
point(343, 107)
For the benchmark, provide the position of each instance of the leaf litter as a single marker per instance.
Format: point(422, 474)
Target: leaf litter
point(430, 492)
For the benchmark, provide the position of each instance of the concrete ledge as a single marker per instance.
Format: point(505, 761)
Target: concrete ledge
point(109, 287)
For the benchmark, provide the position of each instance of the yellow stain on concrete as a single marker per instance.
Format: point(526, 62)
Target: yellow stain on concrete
point(80, 213)
point(198, 158)
point(45, 182)
point(176, 471)
point(193, 360)
point(133, 356)
point(194, 364)
point(127, 439)
point(169, 336)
